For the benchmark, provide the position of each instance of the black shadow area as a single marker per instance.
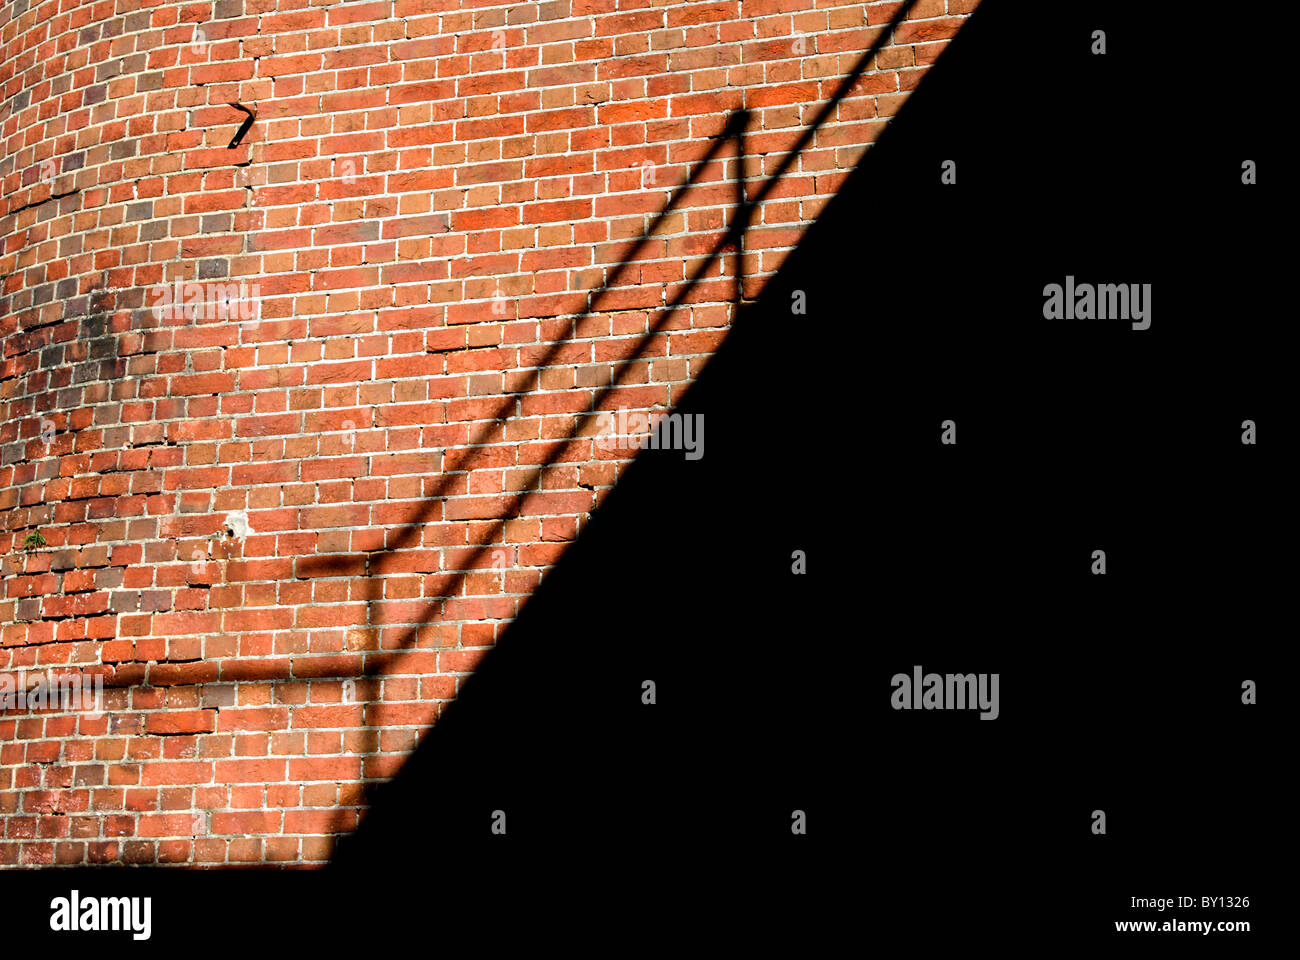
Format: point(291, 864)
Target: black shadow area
point(925, 302)
point(670, 824)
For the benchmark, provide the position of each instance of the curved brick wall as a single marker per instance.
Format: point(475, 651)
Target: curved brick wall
point(285, 517)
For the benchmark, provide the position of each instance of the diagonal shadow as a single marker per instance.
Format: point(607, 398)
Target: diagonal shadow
point(745, 204)
point(377, 662)
point(550, 730)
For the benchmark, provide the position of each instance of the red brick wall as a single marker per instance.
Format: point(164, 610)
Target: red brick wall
point(429, 217)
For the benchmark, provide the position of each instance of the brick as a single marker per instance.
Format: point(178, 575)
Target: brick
point(248, 499)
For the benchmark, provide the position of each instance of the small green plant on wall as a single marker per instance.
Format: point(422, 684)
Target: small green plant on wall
point(34, 539)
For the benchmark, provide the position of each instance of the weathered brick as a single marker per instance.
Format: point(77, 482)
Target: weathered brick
point(270, 407)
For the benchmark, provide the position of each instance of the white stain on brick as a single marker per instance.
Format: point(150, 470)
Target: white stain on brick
point(237, 524)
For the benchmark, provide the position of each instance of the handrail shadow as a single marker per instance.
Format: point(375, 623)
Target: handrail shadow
point(734, 236)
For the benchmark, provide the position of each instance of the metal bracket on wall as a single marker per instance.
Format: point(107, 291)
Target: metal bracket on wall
point(243, 127)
